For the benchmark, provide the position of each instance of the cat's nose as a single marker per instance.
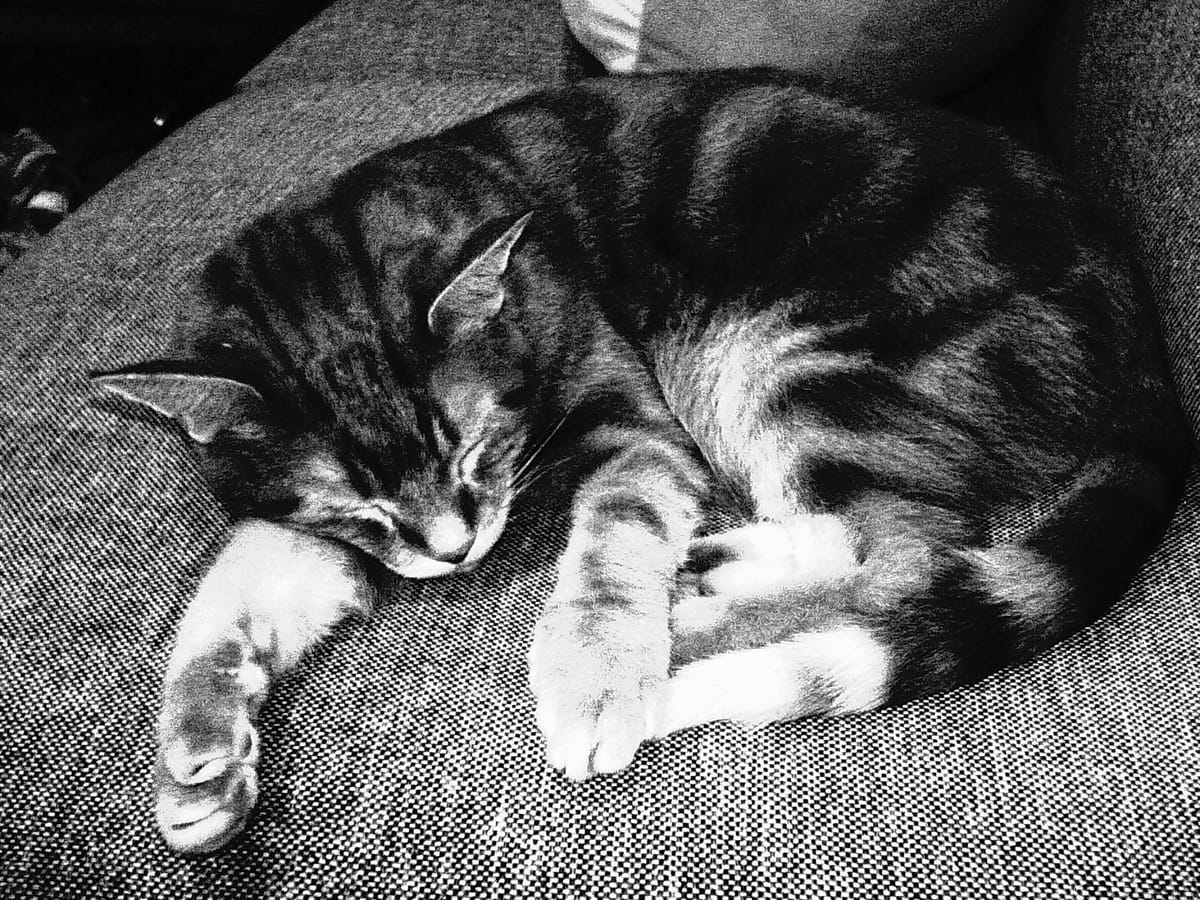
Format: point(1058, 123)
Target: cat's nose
point(449, 539)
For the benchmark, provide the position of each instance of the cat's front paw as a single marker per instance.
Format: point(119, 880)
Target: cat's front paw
point(207, 766)
point(599, 682)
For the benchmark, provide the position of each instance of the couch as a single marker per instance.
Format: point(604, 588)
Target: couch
point(401, 759)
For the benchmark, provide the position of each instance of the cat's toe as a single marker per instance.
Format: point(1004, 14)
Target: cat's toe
point(205, 800)
point(598, 698)
point(756, 542)
point(698, 613)
point(594, 734)
point(569, 750)
point(587, 747)
point(621, 731)
point(769, 557)
point(189, 764)
point(197, 826)
point(207, 766)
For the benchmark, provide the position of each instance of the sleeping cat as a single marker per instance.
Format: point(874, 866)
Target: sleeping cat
point(878, 330)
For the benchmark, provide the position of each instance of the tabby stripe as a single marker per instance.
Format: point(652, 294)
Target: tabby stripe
point(858, 398)
point(600, 589)
point(609, 409)
point(641, 447)
point(950, 634)
point(836, 481)
point(626, 508)
point(1101, 533)
point(901, 337)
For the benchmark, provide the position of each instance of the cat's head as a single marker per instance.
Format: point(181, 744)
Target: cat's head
point(399, 434)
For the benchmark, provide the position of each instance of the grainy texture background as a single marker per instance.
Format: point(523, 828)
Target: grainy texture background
point(401, 759)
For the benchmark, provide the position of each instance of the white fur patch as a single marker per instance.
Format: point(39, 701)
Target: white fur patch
point(323, 468)
point(765, 559)
point(289, 588)
point(768, 557)
point(699, 613)
point(611, 30)
point(746, 366)
point(844, 670)
point(715, 382)
point(447, 533)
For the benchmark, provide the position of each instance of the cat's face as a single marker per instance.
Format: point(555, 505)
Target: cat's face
point(431, 508)
point(412, 462)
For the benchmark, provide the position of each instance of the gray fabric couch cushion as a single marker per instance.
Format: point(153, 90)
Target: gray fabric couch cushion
point(926, 48)
point(402, 759)
point(1124, 112)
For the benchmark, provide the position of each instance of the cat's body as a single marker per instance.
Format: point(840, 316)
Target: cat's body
point(880, 331)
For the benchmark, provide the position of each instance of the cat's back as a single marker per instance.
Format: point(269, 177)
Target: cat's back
point(691, 126)
point(742, 169)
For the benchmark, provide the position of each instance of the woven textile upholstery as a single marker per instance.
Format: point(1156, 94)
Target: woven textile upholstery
point(1124, 97)
point(401, 759)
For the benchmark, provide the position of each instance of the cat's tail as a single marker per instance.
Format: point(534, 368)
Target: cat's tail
point(818, 616)
point(990, 607)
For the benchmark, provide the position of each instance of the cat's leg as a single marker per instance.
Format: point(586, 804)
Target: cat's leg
point(767, 556)
point(270, 595)
point(835, 669)
point(783, 619)
point(599, 660)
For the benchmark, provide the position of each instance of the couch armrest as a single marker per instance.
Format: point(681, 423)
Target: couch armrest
point(369, 39)
point(1124, 116)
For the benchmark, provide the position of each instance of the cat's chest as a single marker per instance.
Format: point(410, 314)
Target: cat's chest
point(719, 381)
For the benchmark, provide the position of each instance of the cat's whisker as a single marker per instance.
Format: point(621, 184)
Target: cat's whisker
point(548, 435)
point(532, 476)
point(540, 446)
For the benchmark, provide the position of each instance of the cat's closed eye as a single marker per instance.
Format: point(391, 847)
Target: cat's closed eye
point(374, 527)
point(410, 535)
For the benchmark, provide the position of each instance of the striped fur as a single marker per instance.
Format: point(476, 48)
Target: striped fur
point(876, 329)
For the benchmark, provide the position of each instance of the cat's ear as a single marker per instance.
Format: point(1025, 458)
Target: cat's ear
point(202, 404)
point(476, 293)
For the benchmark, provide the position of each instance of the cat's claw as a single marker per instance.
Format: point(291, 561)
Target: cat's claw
point(207, 767)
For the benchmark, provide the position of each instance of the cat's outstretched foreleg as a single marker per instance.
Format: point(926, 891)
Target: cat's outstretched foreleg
point(270, 595)
point(598, 664)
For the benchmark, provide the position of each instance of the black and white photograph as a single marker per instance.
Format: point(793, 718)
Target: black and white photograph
point(610, 449)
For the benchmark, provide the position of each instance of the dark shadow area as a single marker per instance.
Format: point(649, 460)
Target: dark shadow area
point(86, 89)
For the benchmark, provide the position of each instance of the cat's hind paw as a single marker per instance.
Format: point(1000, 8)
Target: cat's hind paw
point(207, 766)
point(769, 557)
